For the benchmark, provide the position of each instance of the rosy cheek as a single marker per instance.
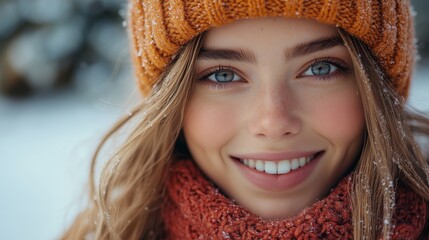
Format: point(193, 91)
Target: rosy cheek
point(340, 117)
point(208, 125)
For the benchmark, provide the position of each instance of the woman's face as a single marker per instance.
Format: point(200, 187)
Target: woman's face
point(275, 119)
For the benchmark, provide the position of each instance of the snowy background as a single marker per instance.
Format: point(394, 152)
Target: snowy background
point(46, 145)
point(53, 115)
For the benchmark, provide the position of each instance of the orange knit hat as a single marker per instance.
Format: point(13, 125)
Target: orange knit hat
point(159, 28)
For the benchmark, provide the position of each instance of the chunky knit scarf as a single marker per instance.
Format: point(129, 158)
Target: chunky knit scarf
point(197, 210)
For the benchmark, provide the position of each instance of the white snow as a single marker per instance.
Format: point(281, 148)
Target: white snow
point(45, 147)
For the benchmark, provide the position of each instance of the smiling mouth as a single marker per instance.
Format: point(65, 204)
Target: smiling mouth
point(279, 167)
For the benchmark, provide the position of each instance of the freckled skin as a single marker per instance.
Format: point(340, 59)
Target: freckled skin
point(274, 108)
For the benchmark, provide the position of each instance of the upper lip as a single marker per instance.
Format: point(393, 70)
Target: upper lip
point(275, 156)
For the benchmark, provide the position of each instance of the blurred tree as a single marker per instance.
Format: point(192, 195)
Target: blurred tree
point(69, 42)
point(422, 31)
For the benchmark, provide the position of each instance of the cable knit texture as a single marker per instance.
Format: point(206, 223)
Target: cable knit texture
point(159, 28)
point(195, 209)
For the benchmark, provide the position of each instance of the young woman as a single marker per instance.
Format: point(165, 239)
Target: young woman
point(266, 120)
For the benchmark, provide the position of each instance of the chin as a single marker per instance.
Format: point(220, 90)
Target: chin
point(272, 213)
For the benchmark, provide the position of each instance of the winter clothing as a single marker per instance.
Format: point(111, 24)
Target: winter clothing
point(196, 209)
point(159, 28)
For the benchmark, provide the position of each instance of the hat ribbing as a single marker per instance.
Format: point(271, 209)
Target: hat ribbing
point(159, 28)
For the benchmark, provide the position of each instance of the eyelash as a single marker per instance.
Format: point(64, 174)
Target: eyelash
point(339, 64)
point(203, 77)
point(341, 68)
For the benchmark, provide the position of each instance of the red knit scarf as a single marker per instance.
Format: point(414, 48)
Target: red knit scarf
point(197, 210)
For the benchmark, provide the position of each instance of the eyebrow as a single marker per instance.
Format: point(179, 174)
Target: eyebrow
point(242, 55)
point(313, 46)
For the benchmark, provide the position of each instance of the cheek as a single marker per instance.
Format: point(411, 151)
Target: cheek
point(208, 124)
point(340, 116)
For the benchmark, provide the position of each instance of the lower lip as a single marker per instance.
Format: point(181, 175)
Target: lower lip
point(276, 182)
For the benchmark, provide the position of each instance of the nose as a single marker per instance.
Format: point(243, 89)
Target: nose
point(273, 116)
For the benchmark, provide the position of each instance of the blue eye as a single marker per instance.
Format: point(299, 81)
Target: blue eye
point(223, 76)
point(320, 69)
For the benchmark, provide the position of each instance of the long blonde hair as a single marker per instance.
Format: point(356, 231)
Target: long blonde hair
point(390, 154)
point(131, 188)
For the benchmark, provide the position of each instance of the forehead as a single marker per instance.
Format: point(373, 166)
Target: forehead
point(274, 30)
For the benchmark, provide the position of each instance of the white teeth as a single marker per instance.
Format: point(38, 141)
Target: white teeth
point(252, 163)
point(271, 167)
point(302, 162)
point(277, 167)
point(283, 167)
point(260, 166)
point(294, 164)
